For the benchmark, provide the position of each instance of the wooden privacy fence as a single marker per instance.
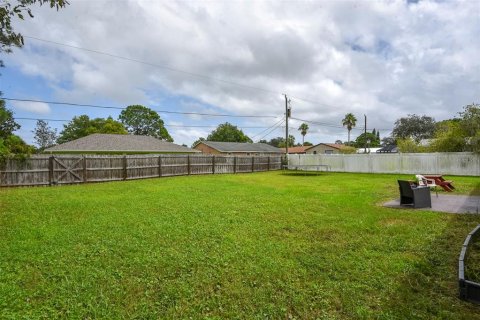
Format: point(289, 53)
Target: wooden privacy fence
point(53, 170)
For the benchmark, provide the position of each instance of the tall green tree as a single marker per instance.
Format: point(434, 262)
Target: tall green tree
point(387, 141)
point(470, 119)
point(227, 132)
point(449, 137)
point(350, 122)
point(83, 126)
point(197, 141)
point(44, 135)
point(459, 134)
point(14, 147)
point(279, 142)
point(7, 122)
point(8, 10)
point(409, 145)
point(11, 146)
point(140, 120)
point(415, 127)
point(369, 139)
point(303, 130)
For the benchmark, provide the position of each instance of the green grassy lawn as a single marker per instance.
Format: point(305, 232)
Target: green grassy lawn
point(250, 246)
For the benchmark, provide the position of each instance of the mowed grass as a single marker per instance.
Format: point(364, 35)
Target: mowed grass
point(248, 246)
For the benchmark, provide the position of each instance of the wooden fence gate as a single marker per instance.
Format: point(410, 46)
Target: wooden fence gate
point(66, 170)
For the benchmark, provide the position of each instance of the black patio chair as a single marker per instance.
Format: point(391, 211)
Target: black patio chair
point(418, 197)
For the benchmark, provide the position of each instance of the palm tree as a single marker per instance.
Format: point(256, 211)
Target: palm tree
point(349, 121)
point(303, 130)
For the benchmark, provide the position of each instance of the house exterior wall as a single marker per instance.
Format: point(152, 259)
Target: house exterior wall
point(322, 149)
point(206, 149)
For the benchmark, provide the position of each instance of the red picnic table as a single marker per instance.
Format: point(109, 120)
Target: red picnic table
point(440, 181)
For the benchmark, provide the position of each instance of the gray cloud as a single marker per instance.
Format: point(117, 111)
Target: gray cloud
point(383, 59)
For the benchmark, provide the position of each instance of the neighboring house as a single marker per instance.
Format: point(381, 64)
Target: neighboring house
point(237, 148)
point(297, 150)
point(98, 143)
point(325, 148)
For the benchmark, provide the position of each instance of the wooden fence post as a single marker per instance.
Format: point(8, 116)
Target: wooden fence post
point(188, 164)
point(159, 166)
point(213, 164)
point(50, 170)
point(85, 178)
point(253, 163)
point(234, 164)
point(125, 173)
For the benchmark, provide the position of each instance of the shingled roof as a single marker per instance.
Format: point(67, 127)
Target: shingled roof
point(121, 143)
point(241, 147)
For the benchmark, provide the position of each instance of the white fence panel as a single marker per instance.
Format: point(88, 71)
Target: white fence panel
point(454, 163)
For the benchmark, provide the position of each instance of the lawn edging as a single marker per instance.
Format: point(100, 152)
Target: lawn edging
point(468, 290)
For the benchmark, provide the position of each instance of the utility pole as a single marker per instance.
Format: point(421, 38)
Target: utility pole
point(365, 150)
point(287, 115)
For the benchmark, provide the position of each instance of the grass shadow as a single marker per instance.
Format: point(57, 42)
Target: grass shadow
point(476, 190)
point(304, 173)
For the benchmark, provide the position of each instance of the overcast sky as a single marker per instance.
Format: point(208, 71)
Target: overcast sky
point(383, 59)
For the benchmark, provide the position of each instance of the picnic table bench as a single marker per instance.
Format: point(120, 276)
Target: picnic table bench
point(440, 181)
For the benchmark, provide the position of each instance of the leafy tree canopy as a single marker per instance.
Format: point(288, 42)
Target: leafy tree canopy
point(83, 126)
point(8, 37)
point(470, 119)
point(279, 142)
point(415, 127)
point(462, 134)
point(7, 122)
point(140, 120)
point(14, 147)
point(197, 141)
point(449, 137)
point(367, 139)
point(227, 132)
point(409, 145)
point(388, 141)
point(44, 135)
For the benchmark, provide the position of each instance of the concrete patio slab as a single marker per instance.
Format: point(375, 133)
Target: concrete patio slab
point(446, 203)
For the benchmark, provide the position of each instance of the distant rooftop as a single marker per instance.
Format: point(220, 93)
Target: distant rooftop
point(126, 143)
point(241, 147)
point(299, 149)
point(331, 145)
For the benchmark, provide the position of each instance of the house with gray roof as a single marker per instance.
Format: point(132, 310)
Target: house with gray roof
point(237, 148)
point(98, 143)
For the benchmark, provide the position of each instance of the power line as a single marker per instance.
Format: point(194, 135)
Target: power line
point(324, 124)
point(165, 67)
point(275, 128)
point(123, 108)
point(279, 121)
point(168, 68)
point(166, 125)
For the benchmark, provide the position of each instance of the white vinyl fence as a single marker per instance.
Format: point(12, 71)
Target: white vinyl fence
point(451, 163)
